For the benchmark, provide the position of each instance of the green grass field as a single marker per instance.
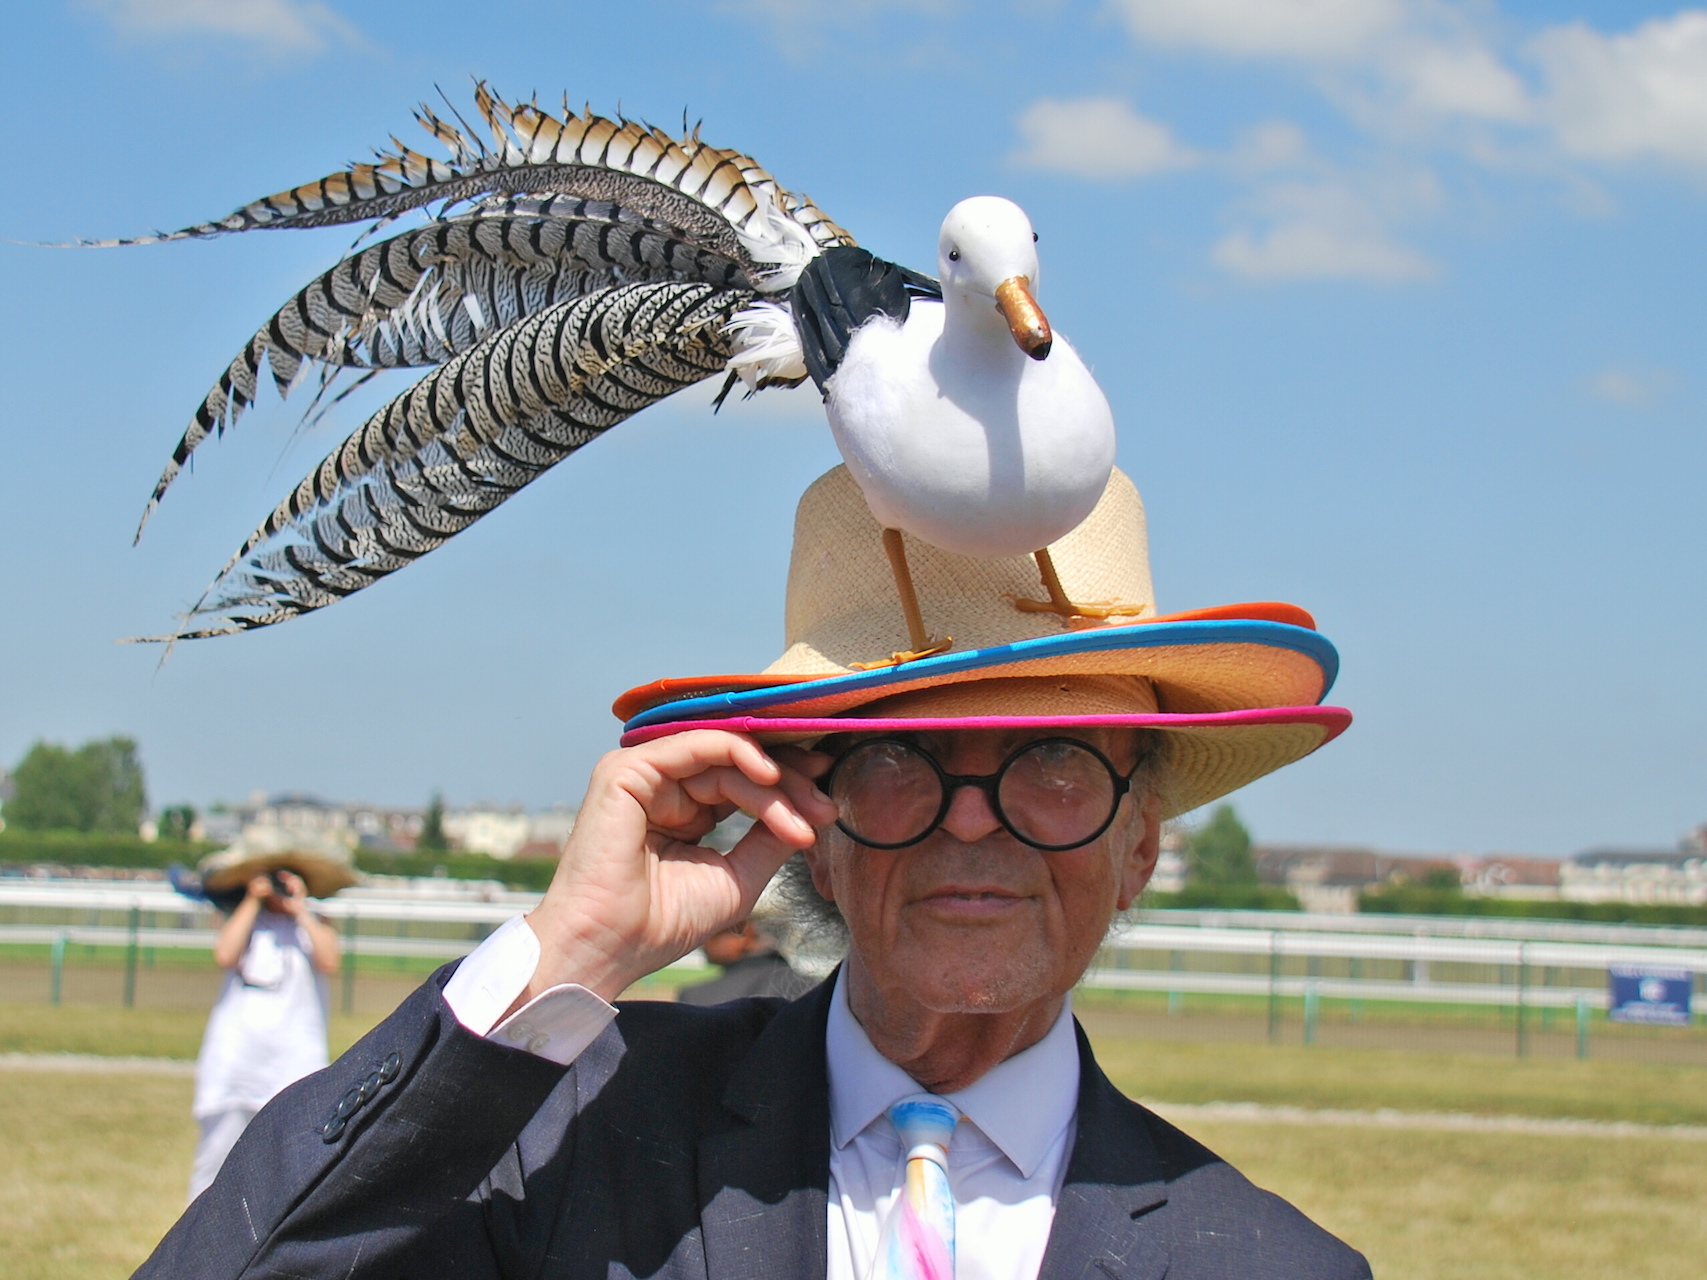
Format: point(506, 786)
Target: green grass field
point(98, 1162)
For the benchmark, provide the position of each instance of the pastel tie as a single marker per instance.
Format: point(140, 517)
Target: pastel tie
point(918, 1239)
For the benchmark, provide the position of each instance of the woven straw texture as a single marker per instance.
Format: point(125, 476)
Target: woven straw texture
point(1202, 765)
point(842, 603)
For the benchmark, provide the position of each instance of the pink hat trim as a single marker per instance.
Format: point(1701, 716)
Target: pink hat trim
point(1333, 721)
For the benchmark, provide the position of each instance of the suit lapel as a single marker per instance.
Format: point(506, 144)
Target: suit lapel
point(1115, 1174)
point(764, 1165)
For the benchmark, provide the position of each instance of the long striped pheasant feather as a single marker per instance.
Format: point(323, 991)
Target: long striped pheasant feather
point(713, 192)
point(423, 296)
point(465, 438)
point(571, 270)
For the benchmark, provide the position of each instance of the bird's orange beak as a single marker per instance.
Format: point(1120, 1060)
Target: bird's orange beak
point(1025, 318)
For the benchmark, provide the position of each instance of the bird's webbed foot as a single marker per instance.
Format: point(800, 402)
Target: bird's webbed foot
point(1072, 612)
point(930, 649)
point(1080, 613)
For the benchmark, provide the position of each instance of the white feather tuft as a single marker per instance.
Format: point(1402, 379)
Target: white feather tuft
point(766, 346)
point(777, 243)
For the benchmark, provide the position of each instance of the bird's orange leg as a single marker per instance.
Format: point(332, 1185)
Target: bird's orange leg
point(1068, 609)
point(923, 645)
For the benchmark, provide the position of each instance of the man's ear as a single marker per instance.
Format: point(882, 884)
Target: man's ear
point(819, 864)
point(1139, 862)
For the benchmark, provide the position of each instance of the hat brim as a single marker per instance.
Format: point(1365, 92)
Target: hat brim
point(1196, 665)
point(1208, 755)
point(322, 875)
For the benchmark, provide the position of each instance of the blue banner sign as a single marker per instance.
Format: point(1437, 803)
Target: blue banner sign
point(1642, 993)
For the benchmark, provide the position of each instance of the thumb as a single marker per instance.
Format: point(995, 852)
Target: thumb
point(756, 857)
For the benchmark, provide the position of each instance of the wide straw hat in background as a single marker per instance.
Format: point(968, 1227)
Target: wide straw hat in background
point(322, 860)
point(1235, 688)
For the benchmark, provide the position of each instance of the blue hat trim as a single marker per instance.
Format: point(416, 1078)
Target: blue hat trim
point(1159, 635)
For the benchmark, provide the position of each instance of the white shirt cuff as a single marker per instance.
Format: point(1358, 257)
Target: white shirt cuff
point(557, 1024)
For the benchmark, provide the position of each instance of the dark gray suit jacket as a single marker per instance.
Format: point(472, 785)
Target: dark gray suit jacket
point(685, 1144)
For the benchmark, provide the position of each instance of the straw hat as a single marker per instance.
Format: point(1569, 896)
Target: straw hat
point(1235, 689)
point(321, 860)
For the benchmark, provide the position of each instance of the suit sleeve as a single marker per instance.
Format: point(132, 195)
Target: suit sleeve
point(347, 1170)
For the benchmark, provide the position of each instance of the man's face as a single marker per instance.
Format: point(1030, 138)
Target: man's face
point(972, 920)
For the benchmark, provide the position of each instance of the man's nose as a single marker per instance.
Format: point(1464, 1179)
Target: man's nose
point(970, 816)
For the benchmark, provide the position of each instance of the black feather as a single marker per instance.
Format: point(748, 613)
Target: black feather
point(841, 289)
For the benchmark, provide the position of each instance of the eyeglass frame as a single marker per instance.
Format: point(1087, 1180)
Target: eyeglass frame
point(989, 784)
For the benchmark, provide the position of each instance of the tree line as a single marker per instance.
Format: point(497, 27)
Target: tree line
point(97, 789)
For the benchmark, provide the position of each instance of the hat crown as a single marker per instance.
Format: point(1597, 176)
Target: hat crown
point(842, 603)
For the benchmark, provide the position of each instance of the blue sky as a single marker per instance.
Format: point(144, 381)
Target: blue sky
point(1398, 303)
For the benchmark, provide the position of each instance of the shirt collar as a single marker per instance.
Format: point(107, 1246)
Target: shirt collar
point(1021, 1104)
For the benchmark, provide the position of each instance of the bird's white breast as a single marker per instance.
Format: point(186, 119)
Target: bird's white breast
point(973, 447)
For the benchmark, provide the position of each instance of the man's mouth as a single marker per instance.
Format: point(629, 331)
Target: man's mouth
point(970, 901)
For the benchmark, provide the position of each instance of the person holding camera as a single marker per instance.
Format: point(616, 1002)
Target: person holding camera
point(268, 1026)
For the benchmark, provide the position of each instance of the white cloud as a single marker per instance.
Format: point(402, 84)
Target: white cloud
point(1313, 30)
point(1312, 251)
point(297, 26)
point(1455, 78)
point(1416, 79)
point(1321, 230)
point(1638, 95)
point(1632, 387)
point(1096, 138)
point(1273, 144)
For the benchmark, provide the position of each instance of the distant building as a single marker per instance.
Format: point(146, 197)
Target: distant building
point(1329, 877)
point(548, 832)
point(1504, 875)
point(1638, 875)
point(499, 832)
point(359, 825)
point(487, 829)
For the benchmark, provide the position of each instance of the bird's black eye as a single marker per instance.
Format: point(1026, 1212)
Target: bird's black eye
point(1034, 237)
point(954, 255)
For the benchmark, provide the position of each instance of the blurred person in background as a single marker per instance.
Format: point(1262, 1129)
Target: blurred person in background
point(752, 966)
point(268, 1025)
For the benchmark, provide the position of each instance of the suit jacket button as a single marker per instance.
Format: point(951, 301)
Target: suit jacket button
point(390, 1067)
point(370, 1086)
point(348, 1104)
point(333, 1129)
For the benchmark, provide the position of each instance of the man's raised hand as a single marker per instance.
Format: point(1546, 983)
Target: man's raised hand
point(635, 890)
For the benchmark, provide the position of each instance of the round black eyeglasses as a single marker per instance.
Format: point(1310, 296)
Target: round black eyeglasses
point(1053, 794)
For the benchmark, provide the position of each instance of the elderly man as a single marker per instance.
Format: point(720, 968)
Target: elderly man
point(931, 1111)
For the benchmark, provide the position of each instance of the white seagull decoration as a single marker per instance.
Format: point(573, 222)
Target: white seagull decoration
point(578, 269)
point(965, 420)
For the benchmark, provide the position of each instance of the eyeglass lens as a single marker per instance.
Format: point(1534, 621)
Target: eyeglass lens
point(1054, 794)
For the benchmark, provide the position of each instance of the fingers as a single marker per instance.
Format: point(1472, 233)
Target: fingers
point(771, 805)
point(810, 764)
point(755, 858)
point(718, 772)
point(809, 797)
point(683, 755)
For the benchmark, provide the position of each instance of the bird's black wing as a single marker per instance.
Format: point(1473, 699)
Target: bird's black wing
point(840, 290)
